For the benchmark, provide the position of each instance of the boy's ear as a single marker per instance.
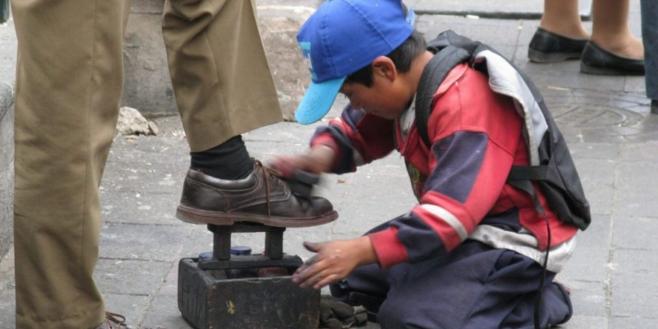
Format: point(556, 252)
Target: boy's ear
point(384, 67)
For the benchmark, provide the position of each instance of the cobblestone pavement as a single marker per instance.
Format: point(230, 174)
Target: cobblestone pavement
point(605, 119)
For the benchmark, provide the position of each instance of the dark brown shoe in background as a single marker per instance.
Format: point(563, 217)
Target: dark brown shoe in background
point(261, 198)
point(113, 321)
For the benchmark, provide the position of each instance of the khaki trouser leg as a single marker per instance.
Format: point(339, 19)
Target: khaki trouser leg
point(69, 75)
point(219, 72)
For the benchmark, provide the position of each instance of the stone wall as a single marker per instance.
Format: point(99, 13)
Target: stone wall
point(6, 167)
point(7, 74)
point(147, 85)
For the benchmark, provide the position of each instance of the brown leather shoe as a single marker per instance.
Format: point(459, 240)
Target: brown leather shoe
point(113, 321)
point(261, 198)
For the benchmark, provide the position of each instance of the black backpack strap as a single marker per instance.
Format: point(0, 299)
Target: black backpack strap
point(529, 173)
point(527, 187)
point(433, 75)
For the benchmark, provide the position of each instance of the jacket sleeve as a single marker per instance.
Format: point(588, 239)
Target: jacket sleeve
point(468, 170)
point(357, 138)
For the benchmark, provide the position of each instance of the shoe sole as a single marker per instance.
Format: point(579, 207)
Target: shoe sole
point(198, 216)
point(598, 70)
point(537, 56)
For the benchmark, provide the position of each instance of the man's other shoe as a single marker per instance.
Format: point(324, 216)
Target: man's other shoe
point(654, 106)
point(113, 321)
point(261, 198)
point(596, 60)
point(548, 47)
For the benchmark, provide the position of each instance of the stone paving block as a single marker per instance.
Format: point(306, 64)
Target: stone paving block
point(637, 187)
point(198, 240)
point(7, 309)
point(8, 52)
point(640, 152)
point(140, 207)
point(169, 285)
point(634, 284)
point(585, 322)
point(553, 75)
point(551, 68)
point(285, 132)
point(130, 277)
point(146, 171)
point(142, 242)
point(598, 179)
point(635, 233)
point(163, 313)
point(633, 322)
point(590, 260)
point(587, 298)
point(634, 85)
point(6, 167)
point(599, 151)
point(130, 306)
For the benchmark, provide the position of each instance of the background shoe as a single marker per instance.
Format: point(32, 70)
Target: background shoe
point(654, 106)
point(262, 198)
point(113, 321)
point(548, 47)
point(596, 60)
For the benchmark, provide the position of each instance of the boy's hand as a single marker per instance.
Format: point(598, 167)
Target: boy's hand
point(316, 160)
point(334, 261)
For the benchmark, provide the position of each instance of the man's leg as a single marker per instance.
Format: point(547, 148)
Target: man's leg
point(219, 72)
point(68, 86)
point(224, 88)
point(650, 40)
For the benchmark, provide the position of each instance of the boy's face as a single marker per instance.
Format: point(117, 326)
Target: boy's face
point(388, 96)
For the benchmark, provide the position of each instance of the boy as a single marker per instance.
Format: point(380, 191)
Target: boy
point(469, 254)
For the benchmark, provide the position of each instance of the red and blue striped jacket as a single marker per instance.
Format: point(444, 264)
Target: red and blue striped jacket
point(460, 181)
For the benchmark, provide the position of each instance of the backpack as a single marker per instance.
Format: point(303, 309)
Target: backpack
point(551, 166)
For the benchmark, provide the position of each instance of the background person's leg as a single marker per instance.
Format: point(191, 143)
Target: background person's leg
point(610, 29)
point(219, 72)
point(650, 40)
point(69, 74)
point(563, 17)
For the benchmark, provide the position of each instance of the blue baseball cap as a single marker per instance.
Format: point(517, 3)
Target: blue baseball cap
point(341, 37)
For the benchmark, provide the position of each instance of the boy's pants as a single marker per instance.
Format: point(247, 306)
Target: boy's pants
point(477, 287)
point(650, 40)
point(69, 79)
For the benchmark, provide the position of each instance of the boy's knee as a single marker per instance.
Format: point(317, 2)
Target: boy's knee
point(390, 316)
point(398, 314)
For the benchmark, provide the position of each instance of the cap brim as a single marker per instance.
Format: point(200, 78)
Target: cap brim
point(318, 100)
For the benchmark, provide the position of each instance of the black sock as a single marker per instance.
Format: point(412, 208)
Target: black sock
point(229, 160)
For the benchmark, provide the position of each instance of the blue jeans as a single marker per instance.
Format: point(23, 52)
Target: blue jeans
point(650, 40)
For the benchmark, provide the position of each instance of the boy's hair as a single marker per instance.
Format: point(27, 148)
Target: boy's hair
point(402, 57)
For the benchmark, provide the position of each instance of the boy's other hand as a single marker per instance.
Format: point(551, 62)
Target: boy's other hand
point(334, 261)
point(317, 160)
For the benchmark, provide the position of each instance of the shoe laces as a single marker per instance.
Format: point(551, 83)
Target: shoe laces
point(267, 172)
